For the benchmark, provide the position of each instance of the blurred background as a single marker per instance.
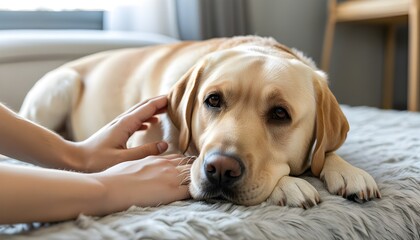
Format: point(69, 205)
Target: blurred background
point(357, 61)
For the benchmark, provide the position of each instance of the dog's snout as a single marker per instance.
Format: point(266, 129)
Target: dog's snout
point(223, 170)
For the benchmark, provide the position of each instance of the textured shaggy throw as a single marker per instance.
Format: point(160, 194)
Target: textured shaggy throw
point(384, 143)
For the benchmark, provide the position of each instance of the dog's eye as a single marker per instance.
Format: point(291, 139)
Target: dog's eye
point(278, 114)
point(213, 100)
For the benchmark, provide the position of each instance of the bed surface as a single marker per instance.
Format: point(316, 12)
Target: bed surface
point(384, 143)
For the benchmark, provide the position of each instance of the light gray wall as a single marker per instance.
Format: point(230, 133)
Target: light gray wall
point(356, 69)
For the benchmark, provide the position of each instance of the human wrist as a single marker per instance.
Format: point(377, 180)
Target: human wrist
point(88, 196)
point(73, 156)
point(110, 200)
point(98, 199)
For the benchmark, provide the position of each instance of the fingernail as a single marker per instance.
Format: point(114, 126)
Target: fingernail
point(162, 146)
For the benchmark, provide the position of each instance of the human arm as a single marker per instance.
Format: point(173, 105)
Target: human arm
point(46, 195)
point(27, 141)
point(39, 194)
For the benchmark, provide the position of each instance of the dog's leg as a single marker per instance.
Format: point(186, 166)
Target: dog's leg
point(343, 179)
point(51, 99)
point(294, 192)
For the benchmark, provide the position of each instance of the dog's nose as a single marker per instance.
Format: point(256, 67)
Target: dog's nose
point(223, 170)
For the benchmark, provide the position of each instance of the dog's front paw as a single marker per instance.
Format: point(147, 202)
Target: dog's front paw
point(294, 192)
point(350, 182)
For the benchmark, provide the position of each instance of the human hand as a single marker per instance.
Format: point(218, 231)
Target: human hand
point(107, 147)
point(151, 181)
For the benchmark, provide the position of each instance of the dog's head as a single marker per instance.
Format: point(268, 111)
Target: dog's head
point(252, 115)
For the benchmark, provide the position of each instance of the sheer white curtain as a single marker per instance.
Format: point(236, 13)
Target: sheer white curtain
point(152, 16)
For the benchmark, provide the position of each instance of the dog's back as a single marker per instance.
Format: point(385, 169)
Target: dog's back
point(82, 96)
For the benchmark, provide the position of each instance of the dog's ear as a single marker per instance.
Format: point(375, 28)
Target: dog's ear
point(331, 124)
point(181, 103)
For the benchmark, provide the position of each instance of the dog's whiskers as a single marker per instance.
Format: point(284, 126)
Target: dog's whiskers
point(186, 181)
point(186, 173)
point(187, 160)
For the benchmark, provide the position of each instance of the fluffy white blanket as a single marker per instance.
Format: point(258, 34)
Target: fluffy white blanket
point(384, 143)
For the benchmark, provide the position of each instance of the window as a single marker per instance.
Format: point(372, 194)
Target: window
point(52, 14)
point(51, 20)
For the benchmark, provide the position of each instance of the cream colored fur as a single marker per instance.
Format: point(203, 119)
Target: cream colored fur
point(256, 78)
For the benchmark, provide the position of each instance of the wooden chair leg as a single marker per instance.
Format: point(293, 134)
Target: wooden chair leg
point(328, 43)
point(388, 84)
point(414, 48)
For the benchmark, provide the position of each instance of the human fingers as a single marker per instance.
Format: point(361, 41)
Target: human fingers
point(149, 108)
point(172, 156)
point(145, 150)
point(135, 121)
point(145, 125)
point(181, 193)
point(153, 119)
point(167, 158)
point(142, 112)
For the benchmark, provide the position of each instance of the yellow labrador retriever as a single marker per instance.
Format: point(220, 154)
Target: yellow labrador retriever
point(253, 112)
